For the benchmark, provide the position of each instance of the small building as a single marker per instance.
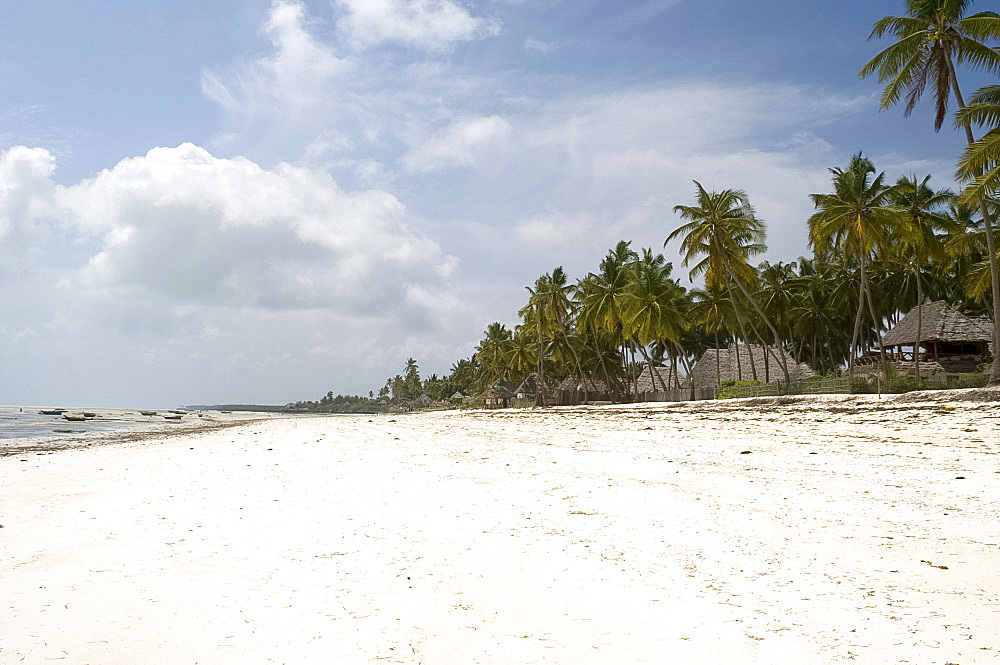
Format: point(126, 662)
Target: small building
point(498, 395)
point(574, 390)
point(949, 341)
point(746, 362)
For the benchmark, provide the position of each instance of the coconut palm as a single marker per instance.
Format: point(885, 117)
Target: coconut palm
point(980, 164)
point(491, 354)
point(650, 305)
point(923, 210)
point(857, 219)
point(932, 37)
point(722, 233)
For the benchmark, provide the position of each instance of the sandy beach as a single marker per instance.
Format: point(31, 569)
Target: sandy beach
point(818, 530)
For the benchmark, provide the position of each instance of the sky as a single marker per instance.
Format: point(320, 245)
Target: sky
point(256, 201)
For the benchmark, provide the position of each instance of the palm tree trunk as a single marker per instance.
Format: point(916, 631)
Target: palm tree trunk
point(871, 310)
point(718, 363)
point(763, 317)
point(990, 244)
point(743, 332)
point(920, 322)
point(857, 327)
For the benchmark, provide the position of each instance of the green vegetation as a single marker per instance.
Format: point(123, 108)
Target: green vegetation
point(879, 249)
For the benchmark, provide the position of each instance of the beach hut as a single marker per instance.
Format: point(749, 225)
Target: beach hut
point(661, 376)
point(949, 341)
point(531, 387)
point(495, 399)
point(573, 390)
point(746, 362)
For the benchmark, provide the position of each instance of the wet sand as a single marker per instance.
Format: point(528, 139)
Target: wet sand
point(820, 530)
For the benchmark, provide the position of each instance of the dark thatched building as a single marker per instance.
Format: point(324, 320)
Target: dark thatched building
point(949, 340)
point(531, 386)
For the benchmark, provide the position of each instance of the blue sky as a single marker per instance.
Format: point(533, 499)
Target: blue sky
point(248, 200)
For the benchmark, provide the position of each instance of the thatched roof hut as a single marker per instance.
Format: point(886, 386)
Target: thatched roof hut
point(941, 326)
point(734, 364)
point(951, 340)
point(531, 386)
point(664, 376)
point(504, 387)
point(495, 399)
point(574, 384)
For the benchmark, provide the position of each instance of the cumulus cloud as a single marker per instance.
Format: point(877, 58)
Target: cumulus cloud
point(434, 25)
point(181, 254)
point(458, 145)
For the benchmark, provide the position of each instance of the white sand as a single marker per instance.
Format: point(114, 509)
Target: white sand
point(608, 535)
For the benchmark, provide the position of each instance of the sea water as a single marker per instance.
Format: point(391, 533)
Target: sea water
point(26, 426)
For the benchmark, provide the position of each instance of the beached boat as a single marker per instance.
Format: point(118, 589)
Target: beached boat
point(147, 413)
point(173, 416)
point(176, 411)
point(74, 418)
point(89, 414)
point(52, 412)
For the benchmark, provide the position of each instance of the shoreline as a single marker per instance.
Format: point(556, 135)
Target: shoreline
point(813, 531)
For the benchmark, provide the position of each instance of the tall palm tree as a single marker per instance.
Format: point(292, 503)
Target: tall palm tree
point(649, 305)
point(856, 219)
point(932, 37)
point(922, 208)
point(491, 354)
point(722, 233)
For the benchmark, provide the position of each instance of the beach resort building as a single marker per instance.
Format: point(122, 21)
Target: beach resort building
point(746, 362)
point(944, 339)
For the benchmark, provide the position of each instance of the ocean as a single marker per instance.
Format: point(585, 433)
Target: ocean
point(25, 427)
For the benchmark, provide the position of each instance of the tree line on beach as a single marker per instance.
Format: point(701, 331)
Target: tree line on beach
point(880, 245)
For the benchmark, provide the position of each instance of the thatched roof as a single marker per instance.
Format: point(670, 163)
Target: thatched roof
point(531, 385)
point(571, 383)
point(664, 376)
point(940, 323)
point(504, 387)
point(704, 374)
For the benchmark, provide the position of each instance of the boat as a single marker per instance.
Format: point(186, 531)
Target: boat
point(173, 416)
point(52, 412)
point(176, 411)
point(72, 418)
point(147, 413)
point(89, 414)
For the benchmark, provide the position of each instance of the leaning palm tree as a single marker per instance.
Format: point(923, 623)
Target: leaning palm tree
point(932, 37)
point(857, 219)
point(722, 233)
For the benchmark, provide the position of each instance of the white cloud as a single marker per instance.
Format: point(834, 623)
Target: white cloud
point(295, 75)
point(532, 44)
point(458, 145)
point(434, 25)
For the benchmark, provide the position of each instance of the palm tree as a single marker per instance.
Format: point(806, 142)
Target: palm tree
point(980, 164)
point(649, 305)
point(722, 234)
point(922, 208)
point(491, 354)
point(600, 297)
point(856, 219)
point(932, 37)
point(711, 310)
